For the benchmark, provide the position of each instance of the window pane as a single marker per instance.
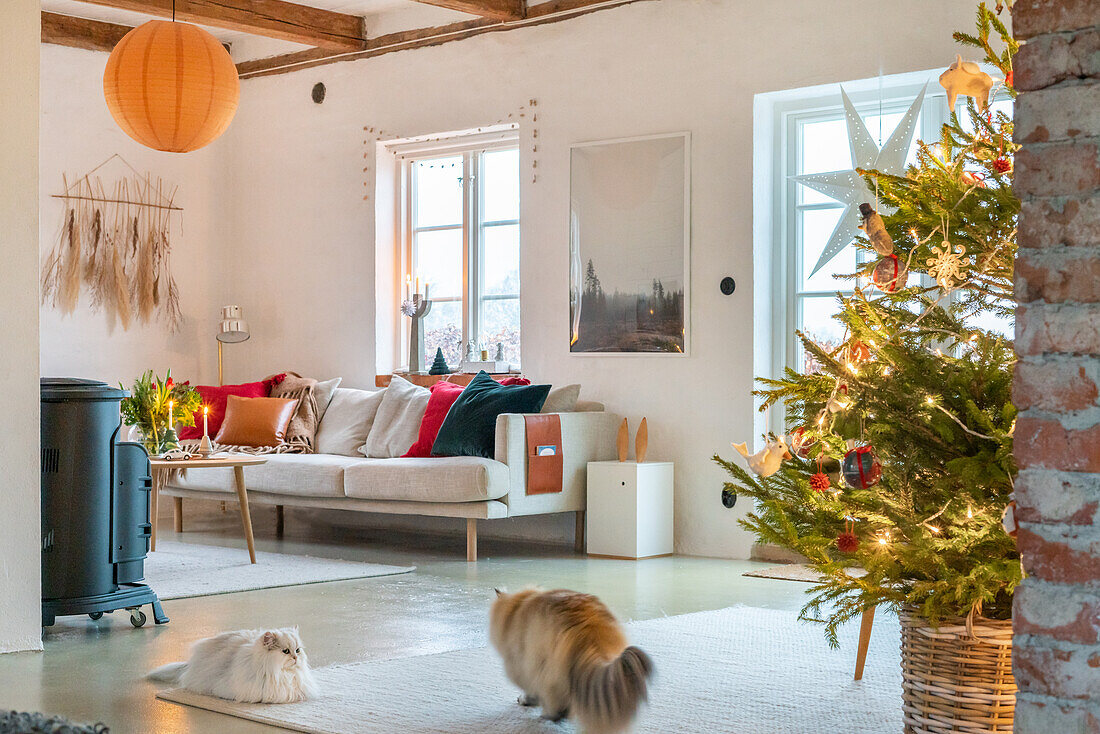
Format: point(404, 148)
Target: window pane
point(500, 325)
point(443, 329)
point(824, 147)
point(439, 261)
point(815, 226)
point(500, 260)
point(438, 191)
point(815, 320)
point(500, 185)
point(883, 127)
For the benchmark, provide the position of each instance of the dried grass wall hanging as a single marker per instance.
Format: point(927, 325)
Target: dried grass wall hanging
point(115, 247)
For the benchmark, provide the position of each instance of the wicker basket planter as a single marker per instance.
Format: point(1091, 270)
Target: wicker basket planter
point(957, 678)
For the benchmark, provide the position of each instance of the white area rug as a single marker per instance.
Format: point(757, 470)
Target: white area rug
point(181, 570)
point(740, 670)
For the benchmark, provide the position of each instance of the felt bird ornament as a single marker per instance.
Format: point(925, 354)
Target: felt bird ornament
point(968, 79)
point(875, 230)
point(766, 461)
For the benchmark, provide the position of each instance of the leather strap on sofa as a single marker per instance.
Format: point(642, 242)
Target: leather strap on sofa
point(544, 455)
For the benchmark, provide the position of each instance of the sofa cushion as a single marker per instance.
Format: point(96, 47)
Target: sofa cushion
point(347, 421)
point(303, 475)
point(214, 397)
point(470, 426)
point(444, 395)
point(397, 424)
point(453, 479)
point(562, 399)
point(255, 421)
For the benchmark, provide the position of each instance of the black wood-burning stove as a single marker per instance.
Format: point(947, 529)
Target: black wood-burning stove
point(95, 506)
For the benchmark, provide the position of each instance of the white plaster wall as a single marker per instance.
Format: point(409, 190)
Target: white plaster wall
point(299, 255)
point(78, 133)
point(20, 613)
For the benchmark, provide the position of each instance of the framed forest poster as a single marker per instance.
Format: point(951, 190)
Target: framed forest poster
point(629, 230)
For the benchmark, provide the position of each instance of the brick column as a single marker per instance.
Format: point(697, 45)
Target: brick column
point(1057, 439)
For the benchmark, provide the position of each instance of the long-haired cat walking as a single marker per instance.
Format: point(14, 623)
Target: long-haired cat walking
point(251, 666)
point(569, 655)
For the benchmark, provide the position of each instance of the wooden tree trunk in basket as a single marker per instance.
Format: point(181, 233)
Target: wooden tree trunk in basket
point(956, 679)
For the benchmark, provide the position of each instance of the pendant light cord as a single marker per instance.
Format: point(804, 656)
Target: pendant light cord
point(173, 11)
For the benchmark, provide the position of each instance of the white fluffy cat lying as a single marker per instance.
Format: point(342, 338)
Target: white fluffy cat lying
point(251, 666)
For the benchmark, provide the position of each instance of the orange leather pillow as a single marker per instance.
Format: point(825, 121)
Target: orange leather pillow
point(255, 421)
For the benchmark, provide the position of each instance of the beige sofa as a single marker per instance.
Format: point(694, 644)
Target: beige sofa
point(462, 486)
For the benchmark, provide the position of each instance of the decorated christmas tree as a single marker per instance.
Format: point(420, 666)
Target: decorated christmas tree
point(895, 473)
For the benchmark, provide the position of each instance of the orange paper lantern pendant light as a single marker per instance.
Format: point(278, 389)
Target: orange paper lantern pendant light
point(171, 86)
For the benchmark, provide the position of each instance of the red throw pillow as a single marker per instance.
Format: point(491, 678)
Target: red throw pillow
point(515, 381)
point(443, 396)
point(214, 397)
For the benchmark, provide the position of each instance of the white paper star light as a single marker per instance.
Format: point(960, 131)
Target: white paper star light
point(848, 187)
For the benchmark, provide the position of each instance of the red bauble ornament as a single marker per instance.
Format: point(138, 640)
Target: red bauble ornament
point(847, 542)
point(890, 274)
point(801, 442)
point(861, 468)
point(858, 352)
point(1002, 165)
point(819, 482)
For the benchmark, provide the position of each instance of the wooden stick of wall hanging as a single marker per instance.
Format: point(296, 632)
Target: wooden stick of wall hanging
point(114, 246)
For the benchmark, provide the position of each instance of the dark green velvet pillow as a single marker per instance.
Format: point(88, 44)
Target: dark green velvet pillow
point(470, 426)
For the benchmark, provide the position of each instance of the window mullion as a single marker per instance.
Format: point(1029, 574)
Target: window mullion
point(469, 246)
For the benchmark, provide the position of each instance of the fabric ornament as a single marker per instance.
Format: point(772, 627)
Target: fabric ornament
point(840, 401)
point(875, 230)
point(819, 482)
point(861, 468)
point(967, 79)
point(1008, 519)
point(766, 461)
point(890, 274)
point(1002, 165)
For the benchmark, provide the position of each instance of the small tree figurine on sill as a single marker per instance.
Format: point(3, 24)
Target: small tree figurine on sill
point(155, 406)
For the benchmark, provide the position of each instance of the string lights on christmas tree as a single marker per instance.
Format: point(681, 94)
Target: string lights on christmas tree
point(911, 413)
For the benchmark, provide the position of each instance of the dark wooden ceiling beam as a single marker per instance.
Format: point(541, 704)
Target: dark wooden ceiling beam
point(272, 18)
point(498, 9)
point(93, 35)
point(548, 12)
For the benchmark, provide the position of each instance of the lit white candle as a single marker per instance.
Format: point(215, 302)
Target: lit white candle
point(408, 286)
point(417, 291)
point(425, 290)
point(205, 428)
point(171, 421)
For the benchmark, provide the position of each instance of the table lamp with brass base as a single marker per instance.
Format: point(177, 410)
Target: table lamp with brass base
point(232, 330)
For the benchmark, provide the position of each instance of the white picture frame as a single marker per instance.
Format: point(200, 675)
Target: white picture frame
point(630, 219)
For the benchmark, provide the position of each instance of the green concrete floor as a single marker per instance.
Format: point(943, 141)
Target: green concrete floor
point(92, 671)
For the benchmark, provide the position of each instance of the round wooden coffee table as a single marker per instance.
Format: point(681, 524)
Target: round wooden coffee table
point(161, 468)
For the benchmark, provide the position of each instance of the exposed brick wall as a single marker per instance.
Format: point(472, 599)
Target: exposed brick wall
point(1057, 386)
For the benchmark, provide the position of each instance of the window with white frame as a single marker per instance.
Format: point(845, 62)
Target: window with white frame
point(462, 238)
point(814, 139)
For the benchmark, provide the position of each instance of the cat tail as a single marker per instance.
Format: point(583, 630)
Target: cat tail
point(170, 673)
point(606, 695)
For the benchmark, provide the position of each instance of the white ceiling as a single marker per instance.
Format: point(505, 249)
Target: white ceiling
point(381, 16)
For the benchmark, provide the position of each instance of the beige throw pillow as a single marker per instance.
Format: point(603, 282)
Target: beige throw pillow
point(347, 421)
point(562, 399)
point(397, 424)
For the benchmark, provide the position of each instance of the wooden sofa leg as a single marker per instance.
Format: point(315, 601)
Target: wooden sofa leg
point(578, 537)
point(471, 539)
point(179, 514)
point(279, 520)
